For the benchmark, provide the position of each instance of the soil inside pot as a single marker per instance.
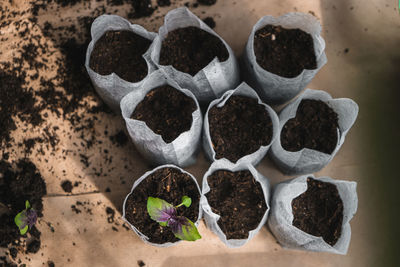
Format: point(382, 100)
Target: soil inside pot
point(319, 211)
point(238, 198)
point(315, 127)
point(239, 128)
point(169, 184)
point(285, 52)
point(190, 49)
point(166, 111)
point(120, 52)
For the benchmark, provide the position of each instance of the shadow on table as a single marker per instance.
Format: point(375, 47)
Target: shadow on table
point(371, 33)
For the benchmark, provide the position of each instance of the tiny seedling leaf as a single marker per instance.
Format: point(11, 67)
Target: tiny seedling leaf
point(20, 219)
point(186, 201)
point(184, 229)
point(160, 210)
point(24, 230)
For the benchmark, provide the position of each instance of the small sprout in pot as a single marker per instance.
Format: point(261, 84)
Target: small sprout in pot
point(26, 219)
point(165, 214)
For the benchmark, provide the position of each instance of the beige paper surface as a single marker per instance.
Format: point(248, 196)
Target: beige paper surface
point(87, 239)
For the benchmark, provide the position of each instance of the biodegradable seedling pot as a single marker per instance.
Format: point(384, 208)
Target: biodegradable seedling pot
point(212, 80)
point(230, 199)
point(306, 160)
point(181, 150)
point(326, 208)
point(275, 88)
point(110, 86)
point(237, 126)
point(170, 183)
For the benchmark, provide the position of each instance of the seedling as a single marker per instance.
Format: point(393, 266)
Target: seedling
point(26, 218)
point(165, 214)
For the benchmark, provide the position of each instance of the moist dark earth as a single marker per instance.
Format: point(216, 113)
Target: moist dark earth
point(319, 211)
point(19, 182)
point(239, 128)
point(169, 184)
point(285, 52)
point(120, 52)
point(166, 111)
point(210, 22)
point(190, 49)
point(67, 186)
point(15, 100)
point(207, 2)
point(45, 78)
point(315, 127)
point(238, 198)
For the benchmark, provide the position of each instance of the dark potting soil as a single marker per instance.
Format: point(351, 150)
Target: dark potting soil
point(119, 139)
point(166, 111)
point(238, 198)
point(136, 8)
point(239, 128)
point(319, 211)
point(15, 100)
point(315, 127)
point(13, 252)
point(163, 3)
point(120, 52)
point(285, 52)
point(33, 246)
point(8, 231)
point(207, 2)
point(171, 185)
point(110, 214)
point(190, 49)
point(142, 8)
point(67, 186)
point(210, 22)
point(17, 184)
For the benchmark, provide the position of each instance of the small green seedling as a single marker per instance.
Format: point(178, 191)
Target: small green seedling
point(26, 218)
point(165, 214)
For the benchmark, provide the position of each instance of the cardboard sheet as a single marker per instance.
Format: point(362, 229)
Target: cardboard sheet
point(89, 239)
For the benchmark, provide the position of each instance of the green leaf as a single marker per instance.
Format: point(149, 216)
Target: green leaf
point(187, 231)
point(163, 223)
point(20, 219)
point(160, 210)
point(186, 201)
point(24, 230)
point(27, 205)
